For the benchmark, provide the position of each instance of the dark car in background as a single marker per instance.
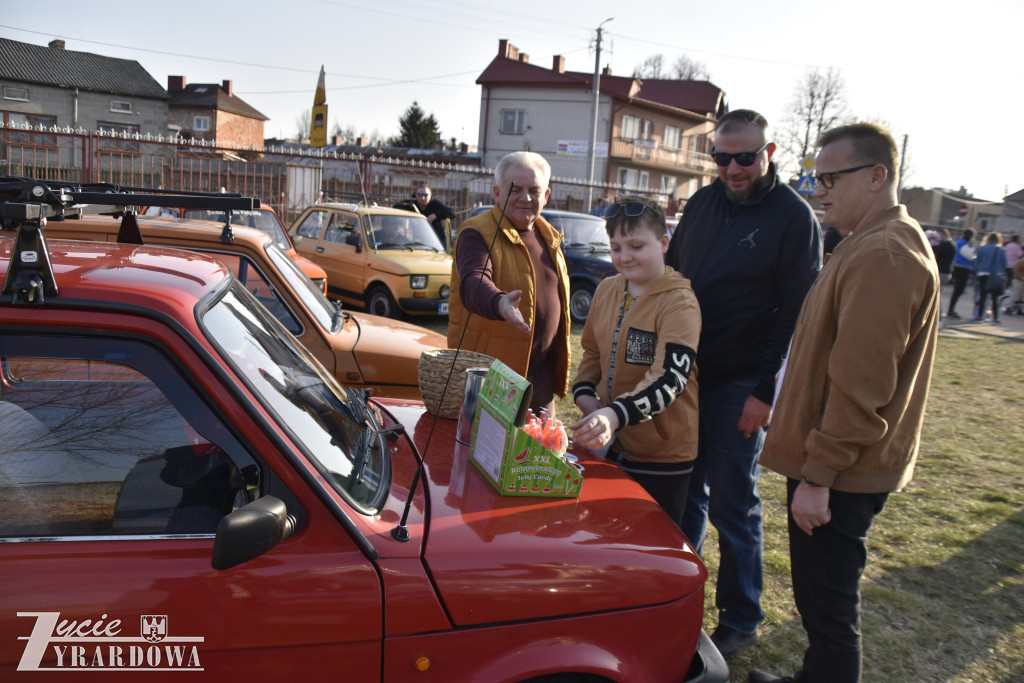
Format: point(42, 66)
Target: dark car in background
point(588, 255)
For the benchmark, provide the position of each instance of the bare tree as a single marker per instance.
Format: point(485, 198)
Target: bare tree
point(303, 124)
point(818, 103)
point(651, 67)
point(685, 68)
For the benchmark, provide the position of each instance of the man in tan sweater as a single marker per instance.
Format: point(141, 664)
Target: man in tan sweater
point(848, 420)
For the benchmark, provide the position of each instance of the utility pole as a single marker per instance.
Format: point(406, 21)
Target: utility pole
point(597, 103)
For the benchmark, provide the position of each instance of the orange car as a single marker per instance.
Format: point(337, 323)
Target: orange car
point(264, 219)
point(359, 349)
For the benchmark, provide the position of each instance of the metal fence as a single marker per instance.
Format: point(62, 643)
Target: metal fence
point(287, 178)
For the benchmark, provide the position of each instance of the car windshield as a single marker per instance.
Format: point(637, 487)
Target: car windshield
point(332, 426)
point(582, 231)
point(312, 298)
point(262, 219)
point(401, 231)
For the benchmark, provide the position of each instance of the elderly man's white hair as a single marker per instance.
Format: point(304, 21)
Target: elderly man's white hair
point(521, 160)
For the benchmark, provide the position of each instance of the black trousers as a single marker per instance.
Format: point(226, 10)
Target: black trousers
point(961, 276)
point(827, 568)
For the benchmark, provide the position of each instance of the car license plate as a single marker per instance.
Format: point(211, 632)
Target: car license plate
point(442, 308)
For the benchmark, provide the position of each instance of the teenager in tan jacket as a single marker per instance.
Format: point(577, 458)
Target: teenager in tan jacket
point(635, 383)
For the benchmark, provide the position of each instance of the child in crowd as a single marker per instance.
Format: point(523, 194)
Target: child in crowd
point(634, 383)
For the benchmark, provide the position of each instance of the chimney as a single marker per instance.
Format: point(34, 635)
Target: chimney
point(607, 71)
point(337, 140)
point(559, 64)
point(175, 83)
point(226, 87)
point(507, 49)
point(361, 141)
point(524, 58)
point(57, 44)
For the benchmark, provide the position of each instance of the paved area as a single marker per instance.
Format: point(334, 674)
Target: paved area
point(1010, 326)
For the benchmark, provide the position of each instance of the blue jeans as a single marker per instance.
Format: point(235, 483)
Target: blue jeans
point(723, 489)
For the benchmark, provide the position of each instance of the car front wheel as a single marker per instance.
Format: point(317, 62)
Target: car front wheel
point(580, 298)
point(380, 302)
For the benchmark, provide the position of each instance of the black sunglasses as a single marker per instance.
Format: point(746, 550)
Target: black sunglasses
point(742, 158)
point(631, 209)
point(828, 180)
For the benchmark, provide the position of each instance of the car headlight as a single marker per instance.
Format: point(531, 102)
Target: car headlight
point(445, 291)
point(418, 281)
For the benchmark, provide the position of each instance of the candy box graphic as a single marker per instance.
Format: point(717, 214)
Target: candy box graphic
point(509, 458)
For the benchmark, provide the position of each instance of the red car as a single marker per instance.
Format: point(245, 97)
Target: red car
point(184, 488)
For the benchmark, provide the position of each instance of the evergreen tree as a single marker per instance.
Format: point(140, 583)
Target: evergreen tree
point(416, 129)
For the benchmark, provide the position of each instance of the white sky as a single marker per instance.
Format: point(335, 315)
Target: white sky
point(948, 75)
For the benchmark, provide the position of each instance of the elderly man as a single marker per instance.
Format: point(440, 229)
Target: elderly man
point(510, 286)
point(848, 420)
point(751, 247)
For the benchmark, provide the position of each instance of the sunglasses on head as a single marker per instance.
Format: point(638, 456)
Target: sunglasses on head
point(742, 158)
point(631, 209)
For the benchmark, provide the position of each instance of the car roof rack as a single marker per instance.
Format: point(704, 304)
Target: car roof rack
point(26, 204)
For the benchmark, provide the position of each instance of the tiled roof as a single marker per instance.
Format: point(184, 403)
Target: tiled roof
point(36, 64)
point(701, 97)
point(212, 96)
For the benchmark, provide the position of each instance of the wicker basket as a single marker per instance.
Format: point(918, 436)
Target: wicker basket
point(434, 368)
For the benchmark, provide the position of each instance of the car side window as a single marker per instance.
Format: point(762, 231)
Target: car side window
point(249, 274)
point(108, 443)
point(339, 229)
point(312, 225)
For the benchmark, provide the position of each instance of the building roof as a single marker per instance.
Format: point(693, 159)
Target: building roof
point(700, 97)
point(211, 96)
point(57, 67)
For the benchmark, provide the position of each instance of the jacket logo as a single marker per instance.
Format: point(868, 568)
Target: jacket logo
point(640, 347)
point(748, 241)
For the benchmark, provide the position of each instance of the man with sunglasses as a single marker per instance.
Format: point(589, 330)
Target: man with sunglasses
point(751, 247)
point(848, 420)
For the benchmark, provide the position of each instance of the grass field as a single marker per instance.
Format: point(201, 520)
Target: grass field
point(944, 588)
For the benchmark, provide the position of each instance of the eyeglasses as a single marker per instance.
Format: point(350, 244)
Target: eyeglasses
point(422, 194)
point(631, 209)
point(828, 180)
point(742, 158)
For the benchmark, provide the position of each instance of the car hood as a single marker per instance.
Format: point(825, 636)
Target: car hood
point(388, 351)
point(499, 558)
point(405, 262)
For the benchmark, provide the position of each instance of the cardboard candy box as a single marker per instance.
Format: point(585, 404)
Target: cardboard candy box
point(512, 461)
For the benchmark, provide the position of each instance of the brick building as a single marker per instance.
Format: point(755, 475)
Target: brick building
point(211, 111)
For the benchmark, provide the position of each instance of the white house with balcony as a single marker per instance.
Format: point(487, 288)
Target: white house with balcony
point(653, 135)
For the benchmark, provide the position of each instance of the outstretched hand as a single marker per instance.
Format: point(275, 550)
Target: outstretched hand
point(508, 307)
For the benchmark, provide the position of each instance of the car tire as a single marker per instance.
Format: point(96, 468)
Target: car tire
point(581, 295)
point(380, 302)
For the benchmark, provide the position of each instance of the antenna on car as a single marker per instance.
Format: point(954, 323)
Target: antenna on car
point(401, 532)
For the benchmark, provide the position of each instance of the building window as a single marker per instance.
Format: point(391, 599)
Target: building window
point(672, 138)
point(201, 124)
point(512, 121)
point(630, 127)
point(668, 184)
point(116, 130)
point(12, 93)
point(632, 178)
point(18, 125)
point(120, 107)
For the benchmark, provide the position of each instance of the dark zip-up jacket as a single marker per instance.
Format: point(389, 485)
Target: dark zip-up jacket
point(750, 266)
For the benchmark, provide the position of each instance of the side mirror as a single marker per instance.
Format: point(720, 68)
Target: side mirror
point(248, 532)
point(355, 239)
